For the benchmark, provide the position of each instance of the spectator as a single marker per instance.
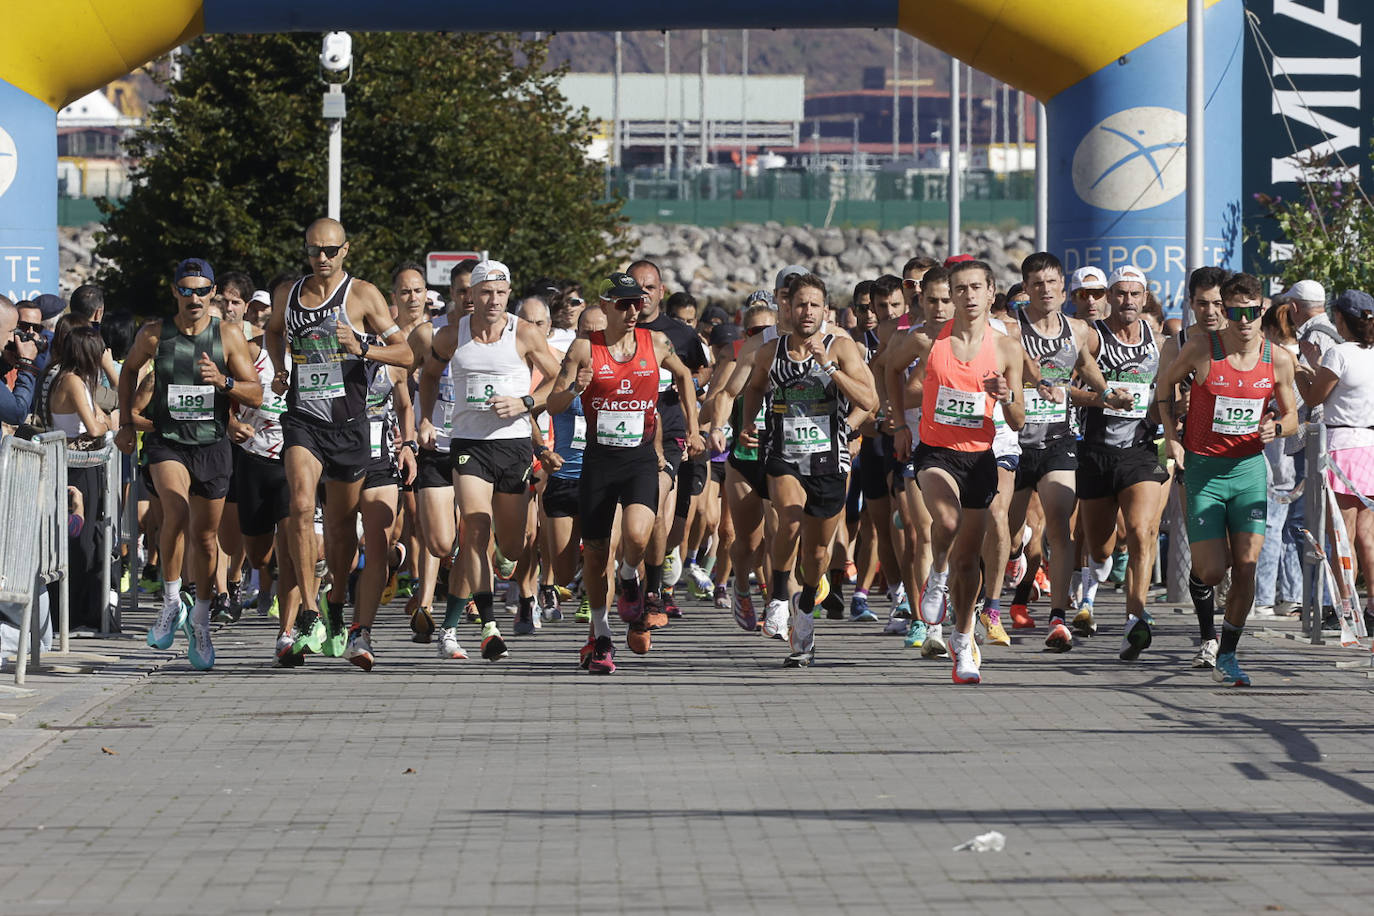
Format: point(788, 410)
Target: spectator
point(1309, 298)
point(20, 349)
point(88, 303)
point(1278, 574)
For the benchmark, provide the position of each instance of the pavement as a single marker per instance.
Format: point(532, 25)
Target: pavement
point(703, 777)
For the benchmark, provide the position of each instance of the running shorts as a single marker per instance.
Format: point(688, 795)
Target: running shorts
point(1105, 470)
point(615, 477)
point(211, 467)
point(432, 470)
point(1058, 455)
point(503, 463)
point(975, 473)
point(344, 450)
point(1225, 495)
point(825, 493)
point(560, 497)
point(263, 496)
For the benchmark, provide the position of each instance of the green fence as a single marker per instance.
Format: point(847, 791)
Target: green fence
point(877, 214)
point(77, 211)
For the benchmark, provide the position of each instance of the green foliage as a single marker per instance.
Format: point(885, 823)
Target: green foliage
point(450, 142)
point(1330, 225)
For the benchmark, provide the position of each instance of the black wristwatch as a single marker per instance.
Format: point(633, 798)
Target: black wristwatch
point(528, 401)
point(412, 445)
point(228, 383)
point(363, 347)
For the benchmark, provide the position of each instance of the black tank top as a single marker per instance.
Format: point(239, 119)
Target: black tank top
point(184, 409)
point(328, 384)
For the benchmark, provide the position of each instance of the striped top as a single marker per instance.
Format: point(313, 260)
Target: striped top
point(807, 425)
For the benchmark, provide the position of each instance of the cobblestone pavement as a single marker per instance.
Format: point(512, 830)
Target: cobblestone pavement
point(703, 777)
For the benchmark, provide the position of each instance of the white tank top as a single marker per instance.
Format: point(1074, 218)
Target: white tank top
point(266, 419)
point(443, 401)
point(484, 370)
point(1005, 440)
point(70, 423)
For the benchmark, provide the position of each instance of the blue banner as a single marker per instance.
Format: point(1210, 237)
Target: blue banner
point(28, 195)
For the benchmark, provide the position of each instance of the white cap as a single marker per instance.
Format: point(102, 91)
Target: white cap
point(489, 270)
point(1305, 290)
point(261, 296)
point(433, 301)
point(1087, 278)
point(1125, 274)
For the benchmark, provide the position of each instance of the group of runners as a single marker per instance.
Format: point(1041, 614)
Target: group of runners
point(525, 447)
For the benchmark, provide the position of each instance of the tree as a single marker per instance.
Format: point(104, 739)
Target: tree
point(1329, 226)
point(451, 142)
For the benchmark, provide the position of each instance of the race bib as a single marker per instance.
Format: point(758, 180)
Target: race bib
point(960, 408)
point(319, 381)
point(620, 428)
point(376, 430)
point(579, 439)
point(482, 387)
point(444, 405)
point(191, 402)
point(1140, 392)
point(1237, 416)
point(1042, 409)
point(273, 405)
point(665, 380)
point(803, 436)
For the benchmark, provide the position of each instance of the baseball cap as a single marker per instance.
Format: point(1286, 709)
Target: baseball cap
point(1305, 290)
point(51, 306)
point(261, 297)
point(957, 259)
point(1354, 304)
point(1087, 278)
point(194, 267)
point(787, 273)
point(489, 270)
point(761, 297)
point(714, 314)
point(1125, 274)
point(621, 285)
point(726, 333)
point(433, 302)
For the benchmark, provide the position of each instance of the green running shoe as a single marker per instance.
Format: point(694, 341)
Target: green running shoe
point(310, 633)
point(337, 640)
point(584, 611)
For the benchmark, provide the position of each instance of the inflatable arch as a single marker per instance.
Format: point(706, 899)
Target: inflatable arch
point(1112, 75)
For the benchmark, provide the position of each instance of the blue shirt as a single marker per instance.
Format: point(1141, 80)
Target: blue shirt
point(565, 427)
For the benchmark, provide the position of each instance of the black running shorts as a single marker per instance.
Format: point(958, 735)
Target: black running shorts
point(974, 472)
point(211, 466)
point(615, 477)
point(344, 450)
point(263, 496)
point(1104, 470)
point(504, 463)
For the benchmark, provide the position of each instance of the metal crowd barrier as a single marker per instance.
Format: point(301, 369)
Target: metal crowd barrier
point(33, 533)
point(106, 457)
point(1314, 511)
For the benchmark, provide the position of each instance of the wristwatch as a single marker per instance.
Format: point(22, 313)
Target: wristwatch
point(412, 445)
point(363, 347)
point(228, 383)
point(528, 401)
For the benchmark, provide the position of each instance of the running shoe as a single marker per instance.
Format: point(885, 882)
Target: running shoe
point(235, 600)
point(801, 638)
point(200, 651)
point(934, 644)
point(286, 655)
point(1228, 671)
point(493, 646)
point(997, 634)
point(524, 624)
point(638, 637)
point(1136, 639)
point(822, 589)
point(359, 647)
point(720, 598)
point(1020, 620)
point(897, 626)
point(548, 603)
point(654, 616)
point(672, 568)
point(916, 635)
point(743, 607)
point(858, 609)
point(833, 605)
point(630, 609)
point(1060, 639)
point(1016, 569)
point(448, 644)
point(563, 592)
point(902, 608)
point(934, 601)
point(670, 607)
point(584, 611)
point(271, 610)
point(405, 585)
point(337, 641)
point(150, 580)
point(126, 581)
point(775, 619)
point(504, 568)
point(698, 582)
point(163, 632)
point(1083, 622)
point(1042, 583)
point(1207, 654)
point(603, 656)
point(967, 659)
point(421, 623)
point(310, 632)
point(584, 655)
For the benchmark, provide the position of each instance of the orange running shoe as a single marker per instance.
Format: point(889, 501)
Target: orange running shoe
point(638, 638)
point(1060, 639)
point(1020, 620)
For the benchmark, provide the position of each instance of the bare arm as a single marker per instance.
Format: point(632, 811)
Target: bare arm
point(755, 388)
point(1286, 422)
point(686, 390)
point(395, 351)
point(440, 352)
point(247, 388)
point(570, 381)
point(274, 336)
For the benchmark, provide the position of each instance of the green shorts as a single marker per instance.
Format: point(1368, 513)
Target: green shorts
point(1225, 495)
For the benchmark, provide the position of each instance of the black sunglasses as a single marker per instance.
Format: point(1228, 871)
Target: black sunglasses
point(329, 251)
point(1243, 312)
point(574, 301)
point(192, 291)
point(33, 327)
point(623, 305)
point(756, 329)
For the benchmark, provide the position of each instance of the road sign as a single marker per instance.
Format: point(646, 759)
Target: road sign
point(439, 264)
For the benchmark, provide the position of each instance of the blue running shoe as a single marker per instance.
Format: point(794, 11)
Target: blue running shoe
point(916, 635)
point(171, 618)
point(858, 609)
point(199, 650)
point(1228, 671)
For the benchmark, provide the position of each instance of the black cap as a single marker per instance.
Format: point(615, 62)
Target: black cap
point(722, 334)
point(1354, 303)
point(714, 314)
point(621, 285)
point(51, 306)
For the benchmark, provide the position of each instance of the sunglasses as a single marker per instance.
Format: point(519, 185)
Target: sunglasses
point(1093, 293)
point(329, 251)
point(910, 283)
point(1243, 312)
point(33, 327)
point(575, 302)
point(192, 291)
point(757, 329)
point(624, 305)
point(1018, 303)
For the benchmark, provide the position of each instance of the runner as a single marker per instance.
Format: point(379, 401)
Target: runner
point(490, 355)
point(1118, 463)
point(616, 374)
point(1241, 398)
point(325, 430)
point(200, 365)
point(820, 390)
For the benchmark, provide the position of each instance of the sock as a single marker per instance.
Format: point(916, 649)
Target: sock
point(781, 585)
point(483, 600)
point(653, 577)
point(526, 607)
point(1230, 636)
point(836, 585)
point(860, 592)
point(1204, 605)
point(171, 590)
point(601, 622)
point(200, 613)
point(453, 610)
point(1022, 594)
point(993, 608)
point(690, 559)
point(627, 571)
point(1090, 583)
point(1056, 616)
point(807, 603)
point(895, 593)
point(1103, 571)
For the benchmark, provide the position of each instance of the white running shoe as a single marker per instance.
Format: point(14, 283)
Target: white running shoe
point(700, 584)
point(775, 619)
point(934, 600)
point(802, 635)
point(1207, 654)
point(448, 644)
point(897, 626)
point(672, 568)
point(966, 658)
point(164, 630)
point(934, 644)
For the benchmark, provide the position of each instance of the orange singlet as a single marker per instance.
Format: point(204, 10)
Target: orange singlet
point(956, 412)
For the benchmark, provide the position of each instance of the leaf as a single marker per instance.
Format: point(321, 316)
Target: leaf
point(408, 771)
point(109, 750)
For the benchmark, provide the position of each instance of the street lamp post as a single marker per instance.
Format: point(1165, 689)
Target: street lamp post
point(336, 57)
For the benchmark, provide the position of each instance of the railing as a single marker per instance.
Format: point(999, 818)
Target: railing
point(110, 521)
point(33, 534)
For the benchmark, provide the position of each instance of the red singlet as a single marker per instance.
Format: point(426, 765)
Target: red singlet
point(1225, 411)
point(621, 403)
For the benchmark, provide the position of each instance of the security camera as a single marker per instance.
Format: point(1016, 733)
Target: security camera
point(336, 55)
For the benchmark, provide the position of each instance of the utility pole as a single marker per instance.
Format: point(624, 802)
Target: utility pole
point(955, 179)
point(896, 93)
point(667, 84)
point(743, 108)
point(704, 153)
point(615, 106)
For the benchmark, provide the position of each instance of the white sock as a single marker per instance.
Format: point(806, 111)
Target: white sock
point(601, 622)
point(171, 591)
point(937, 578)
point(896, 593)
point(1101, 571)
point(200, 613)
point(628, 572)
point(1090, 584)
